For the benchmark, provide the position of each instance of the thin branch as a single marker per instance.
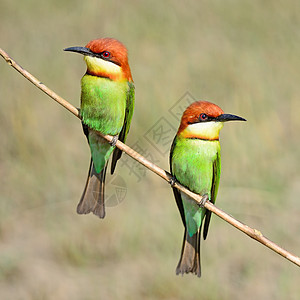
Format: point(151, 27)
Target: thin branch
point(39, 84)
point(253, 233)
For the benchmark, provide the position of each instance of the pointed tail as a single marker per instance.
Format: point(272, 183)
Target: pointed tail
point(190, 255)
point(92, 199)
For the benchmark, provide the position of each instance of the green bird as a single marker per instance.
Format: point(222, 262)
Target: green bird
point(107, 103)
point(195, 163)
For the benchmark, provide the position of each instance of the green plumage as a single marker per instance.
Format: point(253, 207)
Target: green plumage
point(107, 103)
point(196, 164)
point(107, 107)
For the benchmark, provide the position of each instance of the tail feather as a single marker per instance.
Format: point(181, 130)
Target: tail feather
point(92, 199)
point(190, 255)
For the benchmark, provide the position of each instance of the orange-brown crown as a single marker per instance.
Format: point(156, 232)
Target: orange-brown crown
point(117, 51)
point(192, 113)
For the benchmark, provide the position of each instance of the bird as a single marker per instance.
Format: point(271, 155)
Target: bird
point(107, 104)
point(195, 163)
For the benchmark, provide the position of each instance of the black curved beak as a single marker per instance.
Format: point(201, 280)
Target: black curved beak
point(81, 50)
point(228, 117)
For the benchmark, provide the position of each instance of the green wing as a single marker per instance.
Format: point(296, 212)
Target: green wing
point(123, 134)
point(214, 191)
point(176, 192)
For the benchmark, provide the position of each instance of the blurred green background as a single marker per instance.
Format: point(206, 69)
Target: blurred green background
point(241, 55)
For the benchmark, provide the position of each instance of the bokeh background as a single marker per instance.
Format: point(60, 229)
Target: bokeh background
point(241, 55)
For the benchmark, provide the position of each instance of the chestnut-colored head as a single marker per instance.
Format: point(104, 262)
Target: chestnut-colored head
point(203, 120)
point(105, 57)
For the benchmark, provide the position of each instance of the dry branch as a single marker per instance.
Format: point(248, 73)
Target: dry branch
point(253, 233)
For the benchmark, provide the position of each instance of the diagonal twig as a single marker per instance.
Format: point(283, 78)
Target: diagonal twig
point(251, 232)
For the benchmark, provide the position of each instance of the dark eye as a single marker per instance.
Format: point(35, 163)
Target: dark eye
point(105, 54)
point(203, 117)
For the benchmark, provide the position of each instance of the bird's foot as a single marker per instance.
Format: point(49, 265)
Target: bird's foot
point(203, 200)
point(114, 140)
point(79, 112)
point(172, 181)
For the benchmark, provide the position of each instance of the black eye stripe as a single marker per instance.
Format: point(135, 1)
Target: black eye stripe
point(204, 118)
point(100, 55)
point(199, 120)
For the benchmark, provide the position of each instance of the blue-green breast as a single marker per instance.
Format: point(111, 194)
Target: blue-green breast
point(103, 103)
